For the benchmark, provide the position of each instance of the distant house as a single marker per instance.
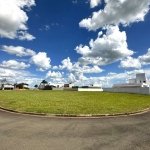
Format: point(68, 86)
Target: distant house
point(22, 86)
point(68, 85)
point(45, 86)
point(7, 87)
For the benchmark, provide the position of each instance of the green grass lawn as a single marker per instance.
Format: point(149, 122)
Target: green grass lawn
point(72, 102)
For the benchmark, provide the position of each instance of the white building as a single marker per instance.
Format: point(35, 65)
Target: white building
point(95, 85)
point(43, 85)
point(22, 86)
point(68, 85)
point(7, 87)
point(140, 81)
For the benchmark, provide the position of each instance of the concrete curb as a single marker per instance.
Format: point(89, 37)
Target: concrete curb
point(77, 116)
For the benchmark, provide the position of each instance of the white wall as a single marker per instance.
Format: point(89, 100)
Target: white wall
point(58, 89)
point(140, 90)
point(83, 89)
point(90, 89)
point(70, 89)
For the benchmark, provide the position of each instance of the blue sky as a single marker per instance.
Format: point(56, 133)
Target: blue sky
point(77, 41)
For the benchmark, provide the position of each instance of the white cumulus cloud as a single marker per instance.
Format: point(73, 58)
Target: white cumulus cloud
point(76, 67)
point(130, 62)
point(41, 61)
point(12, 64)
point(135, 63)
point(19, 76)
point(66, 64)
point(86, 69)
point(94, 3)
point(106, 49)
point(6, 73)
point(13, 74)
point(13, 19)
point(54, 74)
point(75, 78)
point(117, 12)
point(145, 59)
point(18, 50)
point(24, 35)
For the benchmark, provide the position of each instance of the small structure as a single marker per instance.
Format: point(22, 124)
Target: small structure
point(68, 85)
point(7, 87)
point(92, 87)
point(95, 86)
point(46, 86)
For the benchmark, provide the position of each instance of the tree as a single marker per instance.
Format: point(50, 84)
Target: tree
point(36, 86)
point(44, 81)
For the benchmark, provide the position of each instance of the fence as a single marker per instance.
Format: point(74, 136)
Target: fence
point(138, 90)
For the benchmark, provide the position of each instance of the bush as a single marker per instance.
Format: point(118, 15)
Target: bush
point(47, 87)
point(84, 86)
point(75, 87)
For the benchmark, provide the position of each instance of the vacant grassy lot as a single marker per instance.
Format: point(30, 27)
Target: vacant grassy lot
point(71, 102)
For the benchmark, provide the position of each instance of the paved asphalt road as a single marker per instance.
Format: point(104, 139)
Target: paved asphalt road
point(23, 132)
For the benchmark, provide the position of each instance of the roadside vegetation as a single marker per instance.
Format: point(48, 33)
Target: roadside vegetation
point(71, 102)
